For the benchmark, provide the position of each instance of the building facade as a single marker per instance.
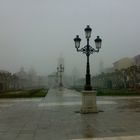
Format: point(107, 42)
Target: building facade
point(123, 63)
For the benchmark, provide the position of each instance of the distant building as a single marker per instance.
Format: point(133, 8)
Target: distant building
point(123, 63)
point(61, 61)
point(23, 78)
point(52, 80)
point(136, 60)
point(101, 66)
point(109, 70)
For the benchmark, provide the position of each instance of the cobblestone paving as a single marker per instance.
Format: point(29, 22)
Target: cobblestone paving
point(54, 118)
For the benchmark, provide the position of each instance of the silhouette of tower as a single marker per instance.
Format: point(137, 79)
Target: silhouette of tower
point(101, 66)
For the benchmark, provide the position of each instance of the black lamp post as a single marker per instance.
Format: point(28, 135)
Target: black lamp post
point(88, 50)
point(60, 69)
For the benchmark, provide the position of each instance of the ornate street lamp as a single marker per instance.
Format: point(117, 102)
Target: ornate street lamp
point(88, 50)
point(60, 69)
point(88, 95)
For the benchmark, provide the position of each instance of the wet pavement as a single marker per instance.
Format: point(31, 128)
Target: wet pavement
point(54, 118)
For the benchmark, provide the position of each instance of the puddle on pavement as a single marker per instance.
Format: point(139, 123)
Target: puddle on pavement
point(133, 104)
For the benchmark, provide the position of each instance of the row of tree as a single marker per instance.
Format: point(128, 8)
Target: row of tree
point(8, 81)
point(21, 80)
point(124, 78)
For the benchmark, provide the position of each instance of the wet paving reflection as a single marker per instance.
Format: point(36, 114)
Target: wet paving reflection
point(54, 117)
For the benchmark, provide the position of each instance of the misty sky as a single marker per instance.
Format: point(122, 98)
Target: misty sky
point(35, 33)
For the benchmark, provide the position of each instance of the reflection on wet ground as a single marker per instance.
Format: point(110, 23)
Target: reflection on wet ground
point(54, 118)
point(131, 105)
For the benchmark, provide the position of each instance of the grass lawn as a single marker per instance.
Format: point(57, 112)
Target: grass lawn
point(25, 93)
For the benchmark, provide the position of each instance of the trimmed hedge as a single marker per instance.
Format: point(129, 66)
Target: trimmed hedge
point(112, 92)
point(25, 93)
point(117, 92)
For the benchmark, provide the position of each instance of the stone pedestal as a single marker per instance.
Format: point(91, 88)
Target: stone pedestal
point(89, 102)
point(61, 88)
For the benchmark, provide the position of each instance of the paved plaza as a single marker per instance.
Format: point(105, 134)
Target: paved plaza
point(56, 117)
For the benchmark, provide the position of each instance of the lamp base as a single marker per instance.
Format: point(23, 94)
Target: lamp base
point(88, 102)
point(88, 87)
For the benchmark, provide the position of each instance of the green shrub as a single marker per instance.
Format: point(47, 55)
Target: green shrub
point(25, 93)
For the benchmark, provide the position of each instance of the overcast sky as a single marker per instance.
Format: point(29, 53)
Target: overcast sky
point(35, 33)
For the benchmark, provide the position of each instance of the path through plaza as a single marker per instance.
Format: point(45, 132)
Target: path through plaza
point(54, 118)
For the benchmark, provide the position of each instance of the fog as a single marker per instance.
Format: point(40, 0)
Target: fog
point(35, 33)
